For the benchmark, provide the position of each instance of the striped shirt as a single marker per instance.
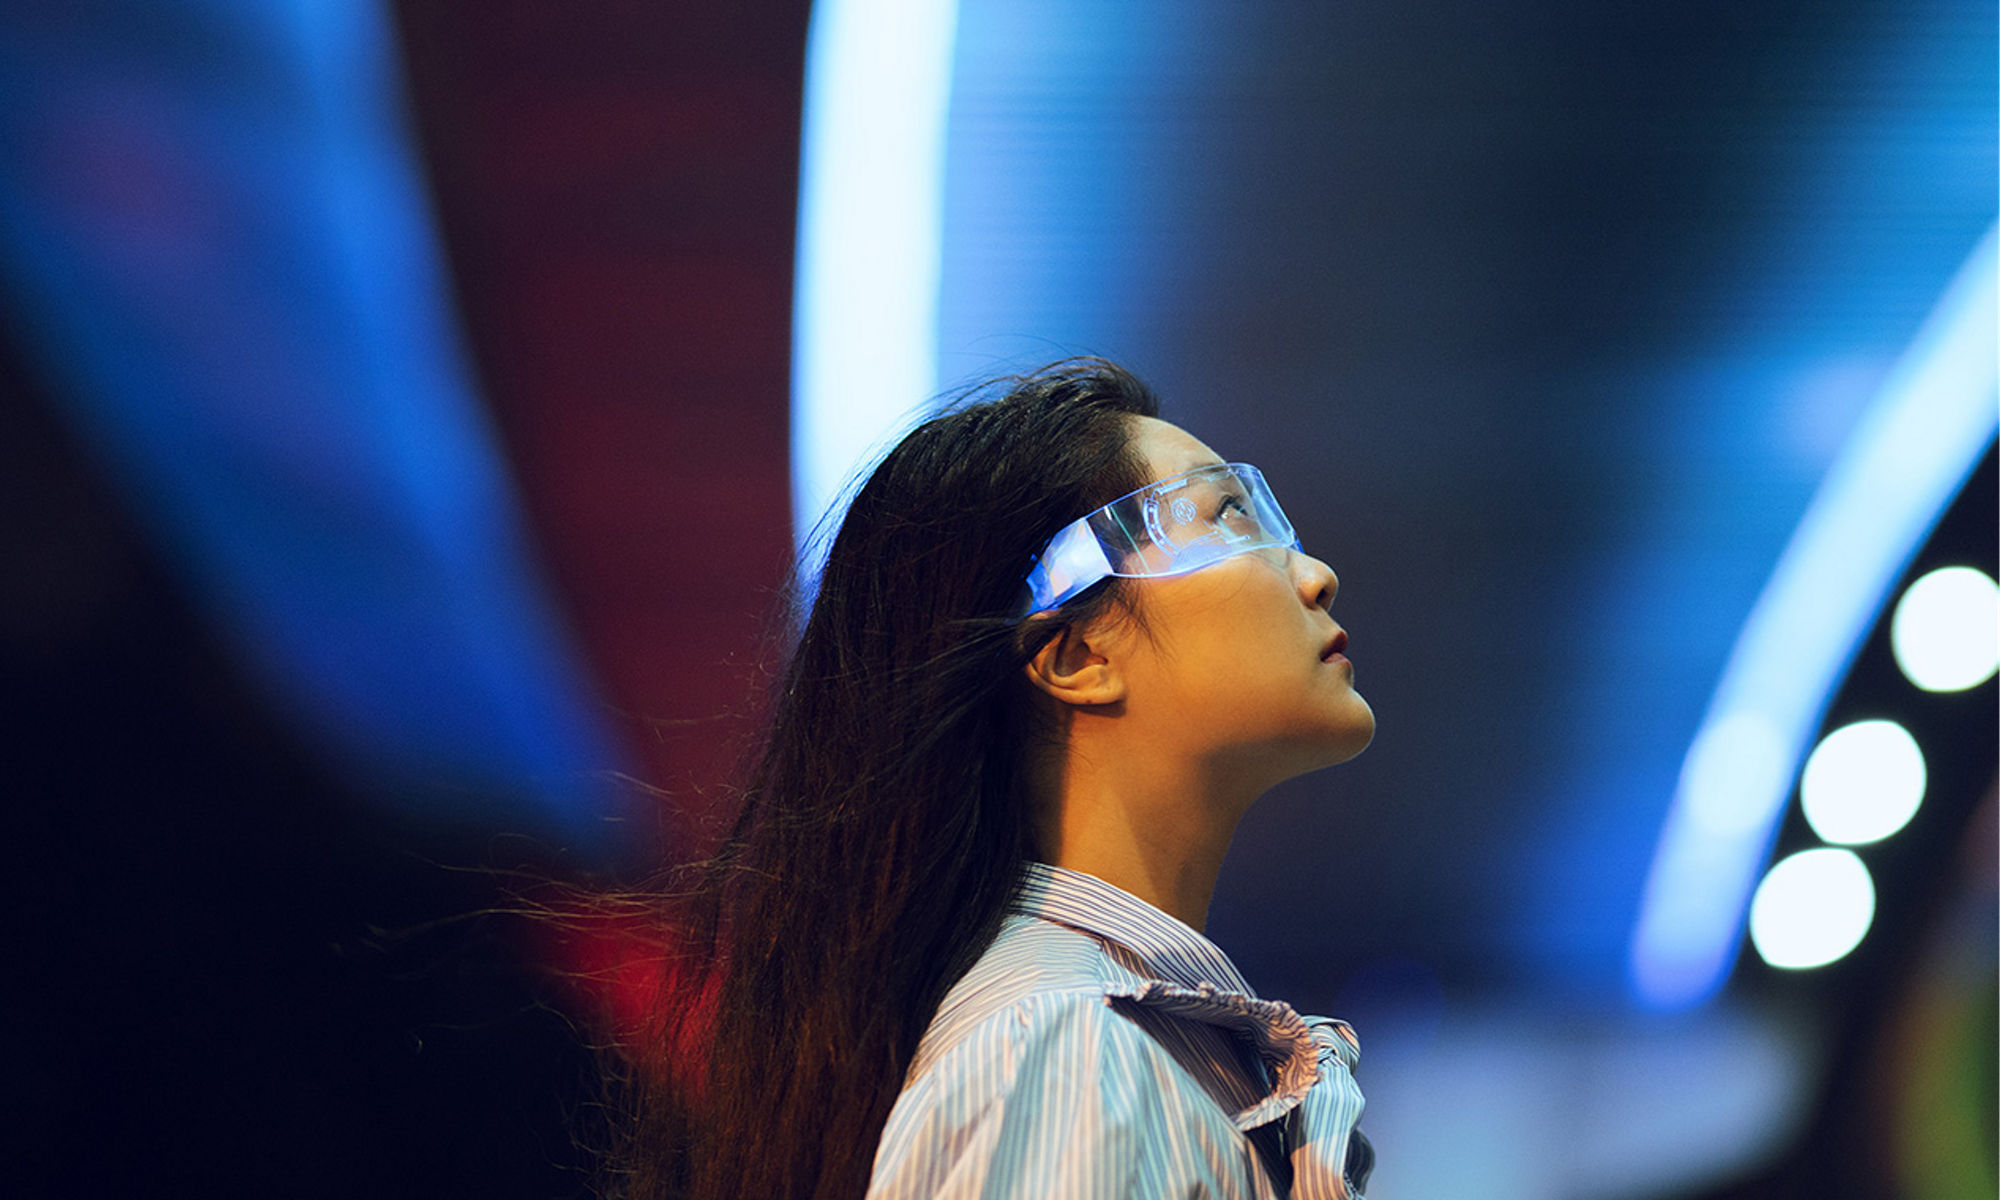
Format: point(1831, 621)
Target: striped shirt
point(1101, 1048)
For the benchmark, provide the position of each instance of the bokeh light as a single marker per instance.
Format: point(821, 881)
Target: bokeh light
point(1946, 632)
point(1863, 782)
point(1812, 909)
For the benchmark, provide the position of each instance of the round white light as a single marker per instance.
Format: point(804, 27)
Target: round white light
point(1946, 631)
point(1862, 783)
point(1812, 909)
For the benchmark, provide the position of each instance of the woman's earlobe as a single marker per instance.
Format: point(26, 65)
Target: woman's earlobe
point(1071, 670)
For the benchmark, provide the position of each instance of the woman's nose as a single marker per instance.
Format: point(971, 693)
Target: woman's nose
point(1318, 585)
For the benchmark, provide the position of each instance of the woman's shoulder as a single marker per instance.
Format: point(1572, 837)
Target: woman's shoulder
point(1037, 975)
point(1036, 1084)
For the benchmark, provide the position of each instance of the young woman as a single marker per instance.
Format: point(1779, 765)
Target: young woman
point(952, 946)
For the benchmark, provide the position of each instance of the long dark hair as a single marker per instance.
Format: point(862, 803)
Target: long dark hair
point(887, 818)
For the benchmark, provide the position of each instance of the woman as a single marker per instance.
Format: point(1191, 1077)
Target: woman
point(952, 945)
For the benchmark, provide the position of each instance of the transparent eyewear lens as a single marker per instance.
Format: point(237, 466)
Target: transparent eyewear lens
point(1170, 527)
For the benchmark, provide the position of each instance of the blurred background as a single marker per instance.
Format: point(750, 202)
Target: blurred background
point(412, 412)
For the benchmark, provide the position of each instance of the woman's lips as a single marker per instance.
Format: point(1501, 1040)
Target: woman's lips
point(1334, 648)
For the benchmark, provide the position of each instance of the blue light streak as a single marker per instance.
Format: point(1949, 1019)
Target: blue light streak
point(214, 224)
point(871, 199)
point(1908, 456)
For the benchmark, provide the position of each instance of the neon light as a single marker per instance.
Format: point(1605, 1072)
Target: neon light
point(1946, 631)
point(251, 326)
point(871, 198)
point(1812, 909)
point(1910, 453)
point(1863, 782)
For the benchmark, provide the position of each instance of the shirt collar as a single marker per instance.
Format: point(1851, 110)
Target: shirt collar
point(1165, 945)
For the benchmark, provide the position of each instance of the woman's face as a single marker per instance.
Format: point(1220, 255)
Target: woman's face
point(1238, 662)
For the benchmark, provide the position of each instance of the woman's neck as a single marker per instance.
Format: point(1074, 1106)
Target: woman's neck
point(1160, 835)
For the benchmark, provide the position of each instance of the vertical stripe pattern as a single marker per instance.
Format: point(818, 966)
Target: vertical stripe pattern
point(1101, 1048)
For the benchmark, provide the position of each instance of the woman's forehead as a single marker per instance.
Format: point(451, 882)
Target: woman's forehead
point(1170, 450)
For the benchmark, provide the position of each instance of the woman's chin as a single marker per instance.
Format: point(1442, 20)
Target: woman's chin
point(1353, 734)
point(1326, 746)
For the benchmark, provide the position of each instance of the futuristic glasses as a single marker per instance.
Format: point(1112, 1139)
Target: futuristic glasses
point(1170, 527)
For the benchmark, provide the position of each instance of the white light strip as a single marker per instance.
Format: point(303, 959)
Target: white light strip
point(1908, 456)
point(871, 191)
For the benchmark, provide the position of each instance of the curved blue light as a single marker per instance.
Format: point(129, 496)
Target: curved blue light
point(871, 199)
point(214, 224)
point(1908, 456)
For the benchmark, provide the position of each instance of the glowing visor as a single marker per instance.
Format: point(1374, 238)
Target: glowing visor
point(1170, 527)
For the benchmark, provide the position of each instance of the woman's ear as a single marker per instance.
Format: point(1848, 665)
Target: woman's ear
point(1072, 669)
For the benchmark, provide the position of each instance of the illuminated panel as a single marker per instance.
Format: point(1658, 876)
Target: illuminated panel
point(871, 184)
point(1909, 454)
